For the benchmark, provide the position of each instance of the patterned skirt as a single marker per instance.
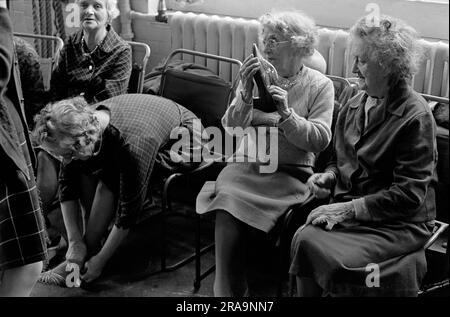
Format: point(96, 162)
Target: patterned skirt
point(22, 227)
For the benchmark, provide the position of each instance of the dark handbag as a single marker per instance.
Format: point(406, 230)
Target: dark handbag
point(206, 96)
point(265, 101)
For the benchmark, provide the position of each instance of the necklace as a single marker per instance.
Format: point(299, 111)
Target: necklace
point(288, 83)
point(89, 53)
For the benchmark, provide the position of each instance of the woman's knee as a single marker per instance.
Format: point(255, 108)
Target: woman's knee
point(227, 225)
point(46, 163)
point(46, 176)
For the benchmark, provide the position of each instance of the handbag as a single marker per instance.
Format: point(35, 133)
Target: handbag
point(262, 79)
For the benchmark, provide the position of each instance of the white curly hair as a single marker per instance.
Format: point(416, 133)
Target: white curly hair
point(393, 44)
point(294, 26)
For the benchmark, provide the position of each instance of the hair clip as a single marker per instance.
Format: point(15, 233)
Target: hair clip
point(387, 25)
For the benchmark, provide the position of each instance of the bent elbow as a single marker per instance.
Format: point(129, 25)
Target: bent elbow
point(321, 142)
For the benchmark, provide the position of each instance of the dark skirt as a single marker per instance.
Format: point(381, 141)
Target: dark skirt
point(346, 261)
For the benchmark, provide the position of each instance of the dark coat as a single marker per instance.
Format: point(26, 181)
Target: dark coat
point(22, 227)
point(11, 96)
point(392, 162)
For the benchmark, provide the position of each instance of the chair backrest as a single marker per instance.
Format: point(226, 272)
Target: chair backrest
point(344, 90)
point(141, 53)
point(206, 96)
point(46, 63)
point(442, 140)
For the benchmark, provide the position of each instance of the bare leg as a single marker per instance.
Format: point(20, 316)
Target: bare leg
point(101, 215)
point(46, 180)
point(75, 220)
point(230, 277)
point(89, 187)
point(75, 224)
point(19, 282)
point(307, 287)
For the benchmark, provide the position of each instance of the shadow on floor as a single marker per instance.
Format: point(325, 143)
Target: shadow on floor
point(128, 273)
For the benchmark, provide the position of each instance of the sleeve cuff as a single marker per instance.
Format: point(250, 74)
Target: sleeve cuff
point(361, 211)
point(332, 171)
point(287, 124)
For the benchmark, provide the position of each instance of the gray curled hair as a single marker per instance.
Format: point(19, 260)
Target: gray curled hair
point(111, 8)
point(293, 26)
point(393, 44)
point(70, 118)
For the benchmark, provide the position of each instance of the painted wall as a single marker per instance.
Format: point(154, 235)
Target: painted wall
point(21, 12)
point(429, 18)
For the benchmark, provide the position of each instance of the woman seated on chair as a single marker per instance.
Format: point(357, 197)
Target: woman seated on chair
point(246, 196)
point(108, 152)
point(95, 63)
point(381, 179)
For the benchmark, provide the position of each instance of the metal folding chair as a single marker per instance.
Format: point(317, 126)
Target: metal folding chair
point(208, 98)
point(141, 53)
point(46, 63)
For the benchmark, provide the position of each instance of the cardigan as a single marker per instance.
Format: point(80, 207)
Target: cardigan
point(304, 133)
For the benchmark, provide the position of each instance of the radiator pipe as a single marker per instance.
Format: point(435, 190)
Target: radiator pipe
point(125, 20)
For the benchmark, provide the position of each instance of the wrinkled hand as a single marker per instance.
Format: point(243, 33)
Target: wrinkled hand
point(93, 269)
point(320, 184)
point(331, 214)
point(248, 69)
point(76, 252)
point(280, 96)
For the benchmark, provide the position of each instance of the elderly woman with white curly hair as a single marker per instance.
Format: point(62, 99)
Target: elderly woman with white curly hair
point(247, 197)
point(368, 240)
point(95, 63)
point(109, 152)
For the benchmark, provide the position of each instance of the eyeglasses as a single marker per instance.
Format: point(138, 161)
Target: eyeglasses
point(76, 150)
point(272, 43)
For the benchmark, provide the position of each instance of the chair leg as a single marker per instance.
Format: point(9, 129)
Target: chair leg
point(165, 206)
point(197, 280)
point(291, 285)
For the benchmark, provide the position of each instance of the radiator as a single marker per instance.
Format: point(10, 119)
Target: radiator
point(232, 37)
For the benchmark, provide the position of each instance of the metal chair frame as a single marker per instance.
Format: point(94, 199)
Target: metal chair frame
point(59, 43)
point(143, 66)
point(166, 198)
